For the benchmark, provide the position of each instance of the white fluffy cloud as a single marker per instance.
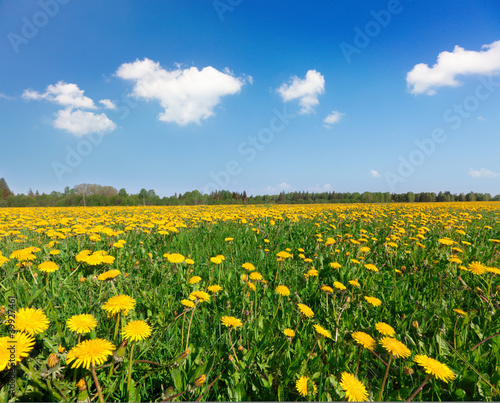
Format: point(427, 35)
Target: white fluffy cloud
point(305, 90)
point(423, 79)
point(483, 173)
point(332, 118)
point(375, 174)
point(187, 95)
point(108, 103)
point(65, 94)
point(80, 122)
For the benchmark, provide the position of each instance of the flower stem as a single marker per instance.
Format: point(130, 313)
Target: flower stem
point(357, 364)
point(232, 346)
point(96, 381)
point(385, 379)
point(130, 369)
point(418, 389)
point(117, 327)
point(189, 328)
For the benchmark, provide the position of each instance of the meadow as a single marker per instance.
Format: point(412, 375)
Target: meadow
point(279, 303)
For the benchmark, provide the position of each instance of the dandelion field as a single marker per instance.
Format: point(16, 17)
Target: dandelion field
point(277, 303)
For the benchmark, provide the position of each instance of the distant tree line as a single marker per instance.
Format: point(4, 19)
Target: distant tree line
point(97, 195)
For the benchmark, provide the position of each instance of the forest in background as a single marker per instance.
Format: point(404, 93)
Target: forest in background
point(97, 195)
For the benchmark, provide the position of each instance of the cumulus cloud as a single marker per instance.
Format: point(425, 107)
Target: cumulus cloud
point(332, 118)
point(423, 79)
point(483, 173)
point(187, 95)
point(305, 90)
point(65, 94)
point(108, 103)
point(80, 122)
point(5, 96)
point(375, 174)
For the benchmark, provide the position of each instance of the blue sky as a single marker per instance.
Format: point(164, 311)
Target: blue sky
point(389, 96)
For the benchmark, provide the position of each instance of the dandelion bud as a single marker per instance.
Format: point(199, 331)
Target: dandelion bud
point(118, 354)
point(200, 380)
point(231, 358)
point(478, 290)
point(61, 349)
point(81, 279)
point(415, 324)
point(240, 348)
point(408, 371)
point(53, 360)
point(83, 394)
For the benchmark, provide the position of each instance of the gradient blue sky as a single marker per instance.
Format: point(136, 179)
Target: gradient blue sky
point(221, 75)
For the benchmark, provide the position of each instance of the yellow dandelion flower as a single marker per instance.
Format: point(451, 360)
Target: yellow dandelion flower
point(302, 386)
point(460, 312)
point(81, 324)
point(136, 330)
point(435, 368)
point(200, 296)
point(373, 301)
point(120, 303)
point(322, 331)
point(305, 310)
point(216, 260)
point(365, 340)
point(327, 289)
point(354, 390)
point(248, 266)
point(90, 352)
point(339, 286)
point(255, 276)
point(188, 303)
point(48, 267)
point(312, 273)
point(395, 347)
point(194, 280)
point(31, 321)
point(289, 332)
point(231, 321)
point(175, 258)
point(22, 343)
point(385, 329)
point(214, 288)
point(477, 268)
point(108, 275)
point(354, 283)
point(283, 290)
point(371, 267)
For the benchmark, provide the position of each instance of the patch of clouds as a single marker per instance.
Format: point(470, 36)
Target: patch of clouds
point(64, 94)
point(306, 90)
point(332, 118)
point(80, 122)
point(483, 173)
point(187, 95)
point(423, 79)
